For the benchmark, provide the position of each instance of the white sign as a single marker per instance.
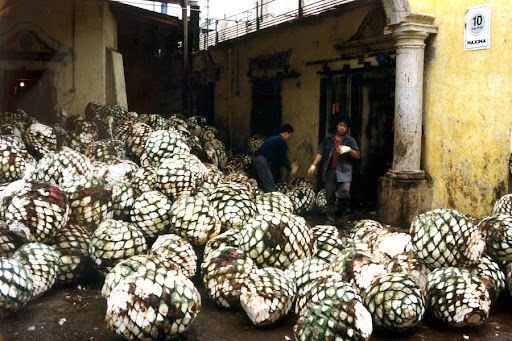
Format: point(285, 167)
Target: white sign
point(477, 28)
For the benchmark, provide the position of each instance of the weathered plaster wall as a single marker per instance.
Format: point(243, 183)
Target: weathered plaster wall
point(93, 37)
point(467, 108)
point(309, 41)
point(93, 33)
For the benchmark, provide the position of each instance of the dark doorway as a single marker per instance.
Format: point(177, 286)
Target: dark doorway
point(377, 118)
point(266, 115)
point(367, 96)
point(334, 99)
point(206, 103)
point(29, 90)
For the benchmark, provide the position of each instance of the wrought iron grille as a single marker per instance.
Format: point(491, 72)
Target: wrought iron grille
point(215, 31)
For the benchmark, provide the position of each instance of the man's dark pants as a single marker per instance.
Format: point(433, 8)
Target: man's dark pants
point(264, 173)
point(335, 190)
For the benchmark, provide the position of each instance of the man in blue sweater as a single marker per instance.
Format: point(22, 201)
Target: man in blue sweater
point(271, 156)
point(336, 152)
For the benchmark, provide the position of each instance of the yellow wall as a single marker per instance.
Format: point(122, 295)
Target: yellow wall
point(95, 30)
point(311, 41)
point(467, 108)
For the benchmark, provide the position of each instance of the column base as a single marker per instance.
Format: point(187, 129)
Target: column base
point(402, 196)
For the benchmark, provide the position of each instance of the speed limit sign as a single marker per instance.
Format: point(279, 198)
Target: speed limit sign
point(477, 28)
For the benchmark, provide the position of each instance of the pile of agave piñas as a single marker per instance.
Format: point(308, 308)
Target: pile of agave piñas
point(134, 197)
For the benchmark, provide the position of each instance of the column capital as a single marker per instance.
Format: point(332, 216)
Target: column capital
point(412, 30)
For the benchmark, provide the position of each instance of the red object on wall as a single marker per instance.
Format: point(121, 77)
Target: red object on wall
point(336, 107)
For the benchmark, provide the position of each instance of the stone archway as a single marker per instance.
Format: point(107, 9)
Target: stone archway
point(28, 59)
point(395, 10)
point(27, 41)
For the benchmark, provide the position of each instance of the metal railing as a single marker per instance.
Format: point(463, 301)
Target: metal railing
point(214, 31)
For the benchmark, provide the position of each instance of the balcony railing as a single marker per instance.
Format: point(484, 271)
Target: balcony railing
point(270, 13)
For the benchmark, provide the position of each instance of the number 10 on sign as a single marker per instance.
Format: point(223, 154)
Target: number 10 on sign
point(477, 28)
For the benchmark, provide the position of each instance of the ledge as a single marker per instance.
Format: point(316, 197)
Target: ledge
point(406, 175)
point(413, 22)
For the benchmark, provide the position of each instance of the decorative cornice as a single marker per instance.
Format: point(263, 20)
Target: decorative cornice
point(27, 41)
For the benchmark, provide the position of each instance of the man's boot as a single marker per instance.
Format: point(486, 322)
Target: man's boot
point(337, 206)
point(345, 211)
point(330, 215)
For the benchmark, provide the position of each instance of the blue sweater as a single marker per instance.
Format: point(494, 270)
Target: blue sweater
point(275, 150)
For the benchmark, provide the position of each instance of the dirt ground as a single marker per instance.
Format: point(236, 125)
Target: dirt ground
point(77, 313)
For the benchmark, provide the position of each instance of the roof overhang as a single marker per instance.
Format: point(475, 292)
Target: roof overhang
point(177, 2)
point(120, 8)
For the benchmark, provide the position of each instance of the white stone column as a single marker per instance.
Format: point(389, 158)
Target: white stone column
point(409, 35)
point(404, 191)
